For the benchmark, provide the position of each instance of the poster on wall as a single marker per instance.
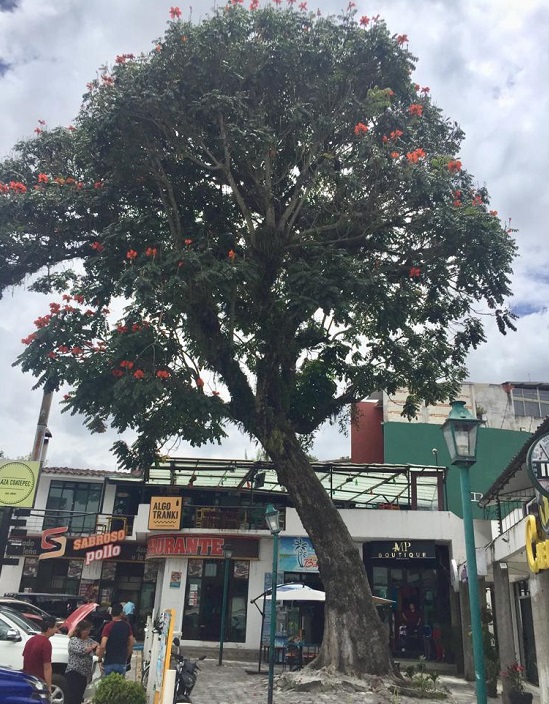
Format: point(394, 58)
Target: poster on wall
point(30, 568)
point(74, 570)
point(297, 555)
point(175, 580)
point(241, 569)
point(192, 599)
point(89, 589)
point(150, 572)
point(108, 571)
point(195, 568)
point(106, 596)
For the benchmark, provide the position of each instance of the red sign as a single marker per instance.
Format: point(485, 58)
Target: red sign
point(199, 546)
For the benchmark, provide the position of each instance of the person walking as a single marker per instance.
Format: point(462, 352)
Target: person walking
point(116, 643)
point(37, 652)
point(80, 664)
point(129, 612)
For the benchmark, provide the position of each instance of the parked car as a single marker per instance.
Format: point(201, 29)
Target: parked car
point(24, 607)
point(15, 631)
point(19, 688)
point(58, 605)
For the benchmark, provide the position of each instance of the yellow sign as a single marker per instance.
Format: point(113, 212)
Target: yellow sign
point(18, 482)
point(165, 513)
point(537, 551)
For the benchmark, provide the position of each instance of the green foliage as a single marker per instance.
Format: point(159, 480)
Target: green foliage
point(115, 689)
point(283, 212)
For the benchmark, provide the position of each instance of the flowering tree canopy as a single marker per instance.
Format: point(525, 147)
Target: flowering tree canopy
point(287, 218)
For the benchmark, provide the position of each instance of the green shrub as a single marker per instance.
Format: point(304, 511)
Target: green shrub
point(114, 689)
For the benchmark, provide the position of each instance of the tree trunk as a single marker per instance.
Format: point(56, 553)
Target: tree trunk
point(355, 641)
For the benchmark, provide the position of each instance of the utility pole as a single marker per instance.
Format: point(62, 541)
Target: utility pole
point(36, 456)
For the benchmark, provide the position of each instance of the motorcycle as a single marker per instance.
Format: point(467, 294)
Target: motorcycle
point(186, 674)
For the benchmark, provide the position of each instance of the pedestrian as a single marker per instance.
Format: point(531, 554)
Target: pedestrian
point(129, 612)
point(37, 652)
point(80, 664)
point(116, 643)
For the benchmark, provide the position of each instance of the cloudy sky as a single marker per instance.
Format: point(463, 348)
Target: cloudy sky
point(486, 64)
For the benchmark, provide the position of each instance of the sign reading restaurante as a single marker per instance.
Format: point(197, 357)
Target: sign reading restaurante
point(200, 546)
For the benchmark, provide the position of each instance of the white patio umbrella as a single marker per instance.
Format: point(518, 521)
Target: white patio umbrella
point(301, 592)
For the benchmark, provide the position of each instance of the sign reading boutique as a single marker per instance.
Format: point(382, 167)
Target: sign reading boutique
point(200, 546)
point(402, 550)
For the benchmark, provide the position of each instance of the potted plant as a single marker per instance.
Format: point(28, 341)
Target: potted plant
point(514, 674)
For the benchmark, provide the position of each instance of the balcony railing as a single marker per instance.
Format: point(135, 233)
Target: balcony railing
point(33, 521)
point(226, 517)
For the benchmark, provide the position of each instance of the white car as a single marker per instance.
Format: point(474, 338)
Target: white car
point(15, 631)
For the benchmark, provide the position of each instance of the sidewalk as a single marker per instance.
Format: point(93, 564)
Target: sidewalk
point(231, 684)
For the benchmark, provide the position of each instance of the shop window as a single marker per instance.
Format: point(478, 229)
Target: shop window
point(81, 499)
point(204, 599)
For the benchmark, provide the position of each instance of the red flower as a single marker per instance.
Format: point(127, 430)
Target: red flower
point(215, 393)
point(17, 187)
point(117, 372)
point(38, 130)
point(416, 86)
point(136, 327)
point(126, 364)
point(97, 246)
point(71, 128)
point(55, 307)
point(175, 13)
point(29, 339)
point(163, 374)
point(66, 297)
point(360, 128)
point(402, 39)
point(150, 252)
point(131, 254)
point(98, 184)
point(493, 212)
point(454, 165)
point(425, 90)
point(390, 92)
point(385, 139)
point(395, 155)
point(139, 374)
point(231, 254)
point(254, 5)
point(42, 178)
point(477, 200)
point(121, 329)
point(76, 350)
point(79, 298)
point(188, 242)
point(199, 382)
point(63, 349)
point(303, 6)
point(66, 397)
point(364, 21)
point(395, 134)
point(52, 355)
point(415, 272)
point(416, 109)
point(457, 204)
point(42, 122)
point(415, 156)
point(42, 321)
point(107, 80)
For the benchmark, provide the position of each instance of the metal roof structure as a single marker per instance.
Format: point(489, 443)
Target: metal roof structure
point(345, 482)
point(514, 483)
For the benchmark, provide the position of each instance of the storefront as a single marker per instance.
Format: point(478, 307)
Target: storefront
point(195, 565)
point(414, 575)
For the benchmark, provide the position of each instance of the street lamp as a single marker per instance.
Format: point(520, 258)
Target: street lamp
point(272, 518)
point(460, 433)
point(227, 554)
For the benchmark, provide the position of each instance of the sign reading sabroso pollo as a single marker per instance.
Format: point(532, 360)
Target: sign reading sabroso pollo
point(200, 546)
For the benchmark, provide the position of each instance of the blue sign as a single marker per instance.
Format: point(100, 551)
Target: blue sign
point(297, 555)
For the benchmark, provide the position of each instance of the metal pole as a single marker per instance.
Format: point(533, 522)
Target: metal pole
point(274, 576)
point(226, 563)
point(474, 600)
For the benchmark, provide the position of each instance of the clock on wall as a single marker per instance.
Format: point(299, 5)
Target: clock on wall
point(537, 464)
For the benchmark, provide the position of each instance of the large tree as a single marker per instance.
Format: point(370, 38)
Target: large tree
point(286, 217)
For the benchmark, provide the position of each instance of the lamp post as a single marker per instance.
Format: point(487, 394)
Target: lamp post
point(272, 518)
point(227, 554)
point(460, 433)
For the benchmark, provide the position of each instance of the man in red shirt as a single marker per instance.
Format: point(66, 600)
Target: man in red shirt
point(37, 652)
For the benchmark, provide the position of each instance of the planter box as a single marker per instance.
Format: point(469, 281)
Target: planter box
point(520, 697)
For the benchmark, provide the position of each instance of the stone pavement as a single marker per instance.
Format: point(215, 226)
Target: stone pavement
point(231, 684)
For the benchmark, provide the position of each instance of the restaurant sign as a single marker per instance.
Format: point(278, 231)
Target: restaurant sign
point(297, 555)
point(165, 513)
point(200, 546)
point(402, 550)
point(103, 545)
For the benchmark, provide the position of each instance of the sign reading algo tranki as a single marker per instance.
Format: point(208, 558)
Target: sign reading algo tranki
point(18, 482)
point(165, 513)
